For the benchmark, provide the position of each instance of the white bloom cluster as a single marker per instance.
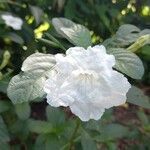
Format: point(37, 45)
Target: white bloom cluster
point(14, 22)
point(85, 81)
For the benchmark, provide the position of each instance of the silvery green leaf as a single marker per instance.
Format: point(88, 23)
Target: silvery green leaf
point(28, 85)
point(137, 97)
point(144, 32)
point(38, 63)
point(127, 29)
point(25, 87)
point(126, 35)
point(75, 33)
point(127, 62)
point(37, 12)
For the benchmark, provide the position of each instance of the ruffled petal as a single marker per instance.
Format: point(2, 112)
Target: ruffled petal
point(86, 111)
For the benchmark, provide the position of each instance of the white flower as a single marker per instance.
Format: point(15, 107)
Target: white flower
point(14, 22)
point(85, 81)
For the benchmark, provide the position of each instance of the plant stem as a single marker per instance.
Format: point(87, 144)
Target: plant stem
point(73, 138)
point(74, 134)
point(141, 41)
point(11, 2)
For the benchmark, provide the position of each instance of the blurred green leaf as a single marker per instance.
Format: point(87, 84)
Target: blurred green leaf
point(40, 127)
point(111, 132)
point(4, 106)
point(4, 135)
point(6, 59)
point(75, 33)
point(143, 118)
point(137, 97)
point(23, 110)
point(20, 128)
point(4, 146)
point(15, 38)
point(40, 142)
point(55, 115)
point(37, 12)
point(70, 9)
point(87, 142)
point(52, 142)
point(127, 62)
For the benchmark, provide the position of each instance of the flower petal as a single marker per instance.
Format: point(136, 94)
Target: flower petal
point(86, 111)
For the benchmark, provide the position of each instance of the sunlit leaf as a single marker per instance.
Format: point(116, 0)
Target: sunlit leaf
point(25, 87)
point(75, 33)
point(38, 63)
point(127, 62)
point(28, 85)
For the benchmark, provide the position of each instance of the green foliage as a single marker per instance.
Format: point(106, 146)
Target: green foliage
point(40, 127)
point(4, 135)
point(87, 142)
point(27, 125)
point(28, 85)
point(4, 106)
point(127, 62)
point(137, 97)
point(75, 33)
point(23, 110)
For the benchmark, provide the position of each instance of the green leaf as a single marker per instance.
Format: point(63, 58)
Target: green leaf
point(143, 118)
point(75, 33)
point(23, 110)
point(4, 106)
point(111, 132)
point(6, 58)
point(4, 146)
point(15, 38)
point(20, 128)
point(126, 35)
point(4, 83)
point(25, 87)
point(137, 97)
point(39, 127)
point(37, 12)
point(40, 142)
point(52, 142)
point(28, 85)
point(55, 115)
point(4, 136)
point(127, 62)
point(34, 61)
point(87, 142)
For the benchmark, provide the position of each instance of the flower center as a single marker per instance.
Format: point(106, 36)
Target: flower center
point(85, 74)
